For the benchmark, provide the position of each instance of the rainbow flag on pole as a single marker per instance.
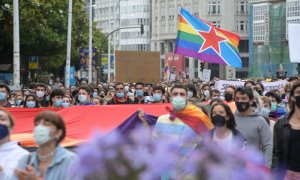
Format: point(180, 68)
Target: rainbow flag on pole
point(199, 39)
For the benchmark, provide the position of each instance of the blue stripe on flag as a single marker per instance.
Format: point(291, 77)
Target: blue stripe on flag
point(188, 45)
point(230, 56)
point(195, 22)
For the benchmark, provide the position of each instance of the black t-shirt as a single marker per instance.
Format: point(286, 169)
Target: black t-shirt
point(137, 101)
point(43, 103)
point(294, 155)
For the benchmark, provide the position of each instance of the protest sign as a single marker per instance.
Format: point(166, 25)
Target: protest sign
point(206, 75)
point(221, 85)
point(294, 42)
point(138, 66)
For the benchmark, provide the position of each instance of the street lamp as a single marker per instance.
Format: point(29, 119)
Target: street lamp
point(91, 40)
point(110, 33)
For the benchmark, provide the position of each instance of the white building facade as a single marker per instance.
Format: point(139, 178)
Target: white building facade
point(229, 14)
point(112, 14)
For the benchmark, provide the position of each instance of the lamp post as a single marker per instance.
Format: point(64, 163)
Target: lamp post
point(90, 41)
point(68, 60)
point(16, 80)
point(102, 42)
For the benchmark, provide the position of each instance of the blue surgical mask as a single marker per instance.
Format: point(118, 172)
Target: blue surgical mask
point(30, 104)
point(139, 92)
point(95, 94)
point(66, 105)
point(156, 97)
point(41, 134)
point(2, 96)
point(58, 103)
point(18, 102)
point(120, 95)
point(265, 112)
point(178, 103)
point(82, 98)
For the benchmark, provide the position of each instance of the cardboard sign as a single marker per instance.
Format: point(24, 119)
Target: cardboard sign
point(138, 66)
point(294, 42)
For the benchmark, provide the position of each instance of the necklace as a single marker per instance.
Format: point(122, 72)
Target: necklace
point(44, 158)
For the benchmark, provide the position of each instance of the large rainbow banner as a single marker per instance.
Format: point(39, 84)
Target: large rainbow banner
point(82, 121)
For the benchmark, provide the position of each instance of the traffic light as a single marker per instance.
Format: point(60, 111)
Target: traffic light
point(142, 28)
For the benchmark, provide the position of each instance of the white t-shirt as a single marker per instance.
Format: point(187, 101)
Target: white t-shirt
point(225, 142)
point(10, 154)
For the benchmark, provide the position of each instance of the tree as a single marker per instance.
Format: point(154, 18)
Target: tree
point(43, 31)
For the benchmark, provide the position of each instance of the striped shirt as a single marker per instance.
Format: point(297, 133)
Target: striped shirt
point(178, 131)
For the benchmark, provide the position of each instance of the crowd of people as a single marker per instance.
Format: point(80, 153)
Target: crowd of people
point(268, 121)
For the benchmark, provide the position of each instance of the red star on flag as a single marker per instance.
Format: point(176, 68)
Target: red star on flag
point(211, 39)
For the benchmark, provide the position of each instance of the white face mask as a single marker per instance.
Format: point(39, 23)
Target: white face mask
point(41, 134)
point(82, 98)
point(190, 94)
point(40, 94)
point(206, 93)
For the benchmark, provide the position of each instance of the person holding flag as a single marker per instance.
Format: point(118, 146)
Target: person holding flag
point(184, 122)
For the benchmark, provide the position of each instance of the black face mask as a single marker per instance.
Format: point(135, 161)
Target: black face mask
point(242, 106)
point(146, 93)
point(259, 92)
point(3, 131)
point(218, 120)
point(297, 101)
point(228, 97)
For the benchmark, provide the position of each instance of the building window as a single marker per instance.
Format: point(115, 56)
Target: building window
point(216, 24)
point(244, 46)
point(214, 7)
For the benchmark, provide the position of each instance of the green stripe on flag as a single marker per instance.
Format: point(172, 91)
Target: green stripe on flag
point(189, 37)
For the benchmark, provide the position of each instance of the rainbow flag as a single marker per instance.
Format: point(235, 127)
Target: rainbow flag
point(199, 39)
point(166, 70)
point(194, 118)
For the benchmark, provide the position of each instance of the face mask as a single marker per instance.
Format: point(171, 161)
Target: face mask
point(178, 103)
point(66, 105)
point(126, 88)
point(48, 98)
point(259, 92)
point(40, 94)
point(265, 112)
point(218, 120)
point(242, 106)
point(273, 106)
point(41, 134)
point(50, 82)
point(228, 97)
point(206, 93)
point(58, 103)
point(82, 98)
point(18, 102)
point(95, 94)
point(120, 95)
point(132, 90)
point(3, 131)
point(297, 101)
point(156, 97)
point(146, 93)
point(30, 104)
point(190, 94)
point(139, 93)
point(2, 96)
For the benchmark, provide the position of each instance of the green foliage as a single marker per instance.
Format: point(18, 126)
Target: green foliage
point(43, 31)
